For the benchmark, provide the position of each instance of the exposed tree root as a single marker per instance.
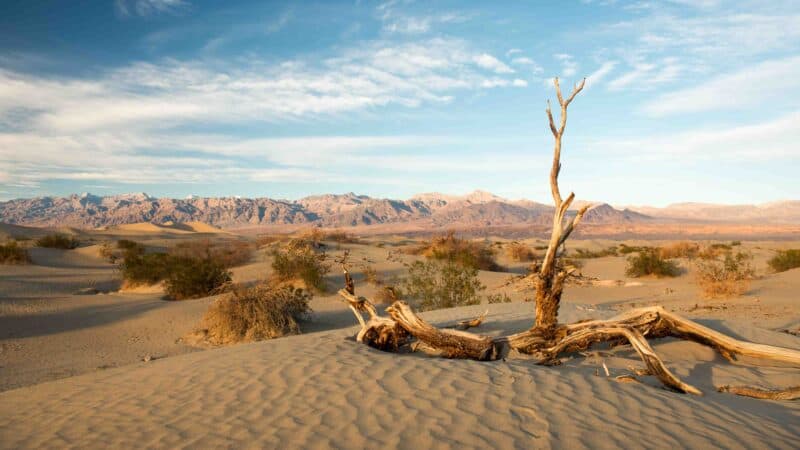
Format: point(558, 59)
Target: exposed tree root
point(476, 322)
point(792, 393)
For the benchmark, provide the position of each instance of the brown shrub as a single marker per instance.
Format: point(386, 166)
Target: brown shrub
point(299, 260)
point(263, 311)
point(228, 253)
point(727, 277)
point(12, 253)
point(371, 276)
point(518, 251)
point(57, 240)
point(388, 294)
point(466, 253)
point(684, 249)
point(340, 236)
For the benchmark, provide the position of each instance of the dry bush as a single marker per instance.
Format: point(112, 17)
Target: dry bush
point(263, 311)
point(651, 263)
point(371, 276)
point(340, 236)
point(265, 240)
point(588, 254)
point(441, 284)
point(57, 240)
point(228, 253)
point(12, 253)
point(466, 253)
point(518, 251)
point(140, 269)
point(785, 260)
point(388, 294)
point(625, 249)
point(195, 277)
point(299, 260)
point(683, 249)
point(107, 252)
point(498, 298)
point(727, 277)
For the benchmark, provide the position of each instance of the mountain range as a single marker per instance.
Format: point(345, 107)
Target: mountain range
point(343, 210)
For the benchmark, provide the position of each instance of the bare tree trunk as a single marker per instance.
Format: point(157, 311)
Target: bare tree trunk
point(550, 278)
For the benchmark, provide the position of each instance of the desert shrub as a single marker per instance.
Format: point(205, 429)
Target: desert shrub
point(727, 277)
point(57, 240)
point(586, 253)
point(128, 245)
point(371, 276)
point(625, 249)
point(12, 253)
point(540, 247)
point(298, 260)
point(466, 253)
point(721, 246)
point(735, 243)
point(269, 239)
point(441, 284)
point(340, 236)
point(679, 250)
point(498, 298)
point(228, 253)
point(194, 277)
point(107, 252)
point(785, 260)
point(518, 251)
point(388, 294)
point(650, 263)
point(263, 311)
point(144, 268)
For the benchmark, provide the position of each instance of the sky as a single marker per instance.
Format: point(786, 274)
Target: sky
point(684, 100)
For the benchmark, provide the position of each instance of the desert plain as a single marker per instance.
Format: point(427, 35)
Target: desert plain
point(87, 363)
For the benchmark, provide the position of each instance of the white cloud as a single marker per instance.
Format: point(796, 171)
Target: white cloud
point(489, 62)
point(600, 73)
point(751, 86)
point(568, 65)
point(146, 8)
point(769, 140)
point(513, 51)
point(639, 72)
point(519, 82)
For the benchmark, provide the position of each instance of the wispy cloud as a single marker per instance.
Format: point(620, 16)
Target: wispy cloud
point(748, 87)
point(489, 62)
point(568, 65)
point(144, 8)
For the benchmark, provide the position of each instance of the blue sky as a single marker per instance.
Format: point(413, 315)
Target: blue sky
point(685, 100)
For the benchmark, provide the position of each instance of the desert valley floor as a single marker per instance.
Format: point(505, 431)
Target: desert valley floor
point(86, 364)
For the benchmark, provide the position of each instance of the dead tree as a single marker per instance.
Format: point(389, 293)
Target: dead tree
point(547, 339)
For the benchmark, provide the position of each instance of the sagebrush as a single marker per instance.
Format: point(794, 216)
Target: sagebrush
point(12, 253)
point(441, 284)
point(785, 260)
point(263, 311)
point(299, 260)
point(57, 240)
point(449, 247)
point(518, 251)
point(650, 262)
point(727, 277)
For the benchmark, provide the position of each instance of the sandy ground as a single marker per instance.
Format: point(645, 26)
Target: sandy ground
point(73, 373)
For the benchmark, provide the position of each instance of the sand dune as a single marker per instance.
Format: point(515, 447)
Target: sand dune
point(322, 390)
point(73, 374)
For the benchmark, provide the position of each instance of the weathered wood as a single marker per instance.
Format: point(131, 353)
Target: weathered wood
point(792, 393)
point(472, 323)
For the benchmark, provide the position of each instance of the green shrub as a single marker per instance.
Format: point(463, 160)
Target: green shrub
point(728, 277)
point(144, 268)
point(441, 284)
point(651, 263)
point(263, 311)
point(228, 253)
point(785, 260)
point(460, 251)
point(194, 277)
point(128, 245)
point(299, 260)
point(687, 250)
point(57, 240)
point(12, 253)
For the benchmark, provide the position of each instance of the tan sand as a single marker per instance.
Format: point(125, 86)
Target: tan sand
point(73, 372)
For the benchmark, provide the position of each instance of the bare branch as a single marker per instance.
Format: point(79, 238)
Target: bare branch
point(575, 90)
point(558, 92)
point(550, 117)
